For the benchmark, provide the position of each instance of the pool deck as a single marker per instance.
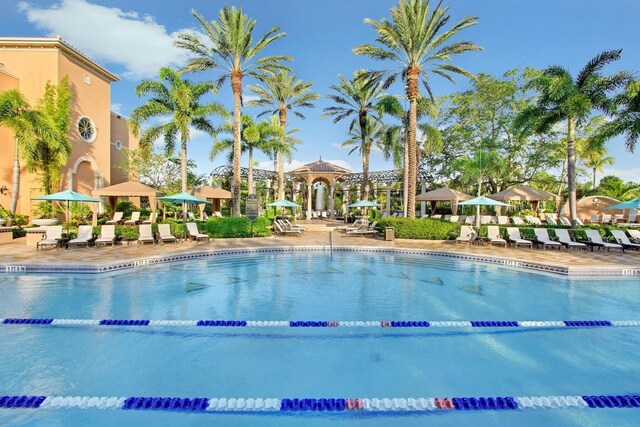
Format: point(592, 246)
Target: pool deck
point(18, 257)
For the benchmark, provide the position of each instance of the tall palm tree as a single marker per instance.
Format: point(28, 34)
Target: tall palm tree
point(596, 160)
point(278, 93)
point(283, 145)
point(626, 121)
point(180, 99)
point(563, 98)
point(363, 139)
point(230, 49)
point(356, 98)
point(416, 40)
point(255, 136)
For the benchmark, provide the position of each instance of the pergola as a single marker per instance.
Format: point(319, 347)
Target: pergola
point(215, 193)
point(129, 189)
point(524, 193)
point(443, 195)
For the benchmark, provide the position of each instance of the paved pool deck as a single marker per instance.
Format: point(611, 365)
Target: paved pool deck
point(18, 257)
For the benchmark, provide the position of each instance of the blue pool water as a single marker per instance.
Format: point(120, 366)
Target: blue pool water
point(319, 362)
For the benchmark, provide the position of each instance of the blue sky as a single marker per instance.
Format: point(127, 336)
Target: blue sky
point(134, 38)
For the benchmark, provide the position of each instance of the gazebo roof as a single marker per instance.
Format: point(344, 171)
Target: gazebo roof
point(443, 194)
point(320, 166)
point(128, 189)
point(209, 192)
point(524, 193)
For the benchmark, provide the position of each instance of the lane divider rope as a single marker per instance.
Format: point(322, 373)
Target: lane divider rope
point(324, 323)
point(203, 404)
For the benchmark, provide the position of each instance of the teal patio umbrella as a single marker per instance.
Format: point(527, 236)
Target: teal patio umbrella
point(364, 204)
point(630, 204)
point(284, 204)
point(184, 198)
point(482, 201)
point(68, 196)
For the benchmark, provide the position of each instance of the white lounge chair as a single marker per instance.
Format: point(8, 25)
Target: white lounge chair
point(517, 220)
point(564, 238)
point(152, 217)
point(192, 229)
point(470, 220)
point(635, 234)
point(288, 225)
point(595, 218)
point(516, 239)
point(606, 219)
point(217, 214)
point(448, 218)
point(135, 219)
point(164, 234)
point(467, 234)
point(551, 221)
point(452, 218)
point(314, 215)
point(633, 218)
point(485, 219)
point(52, 237)
point(205, 216)
point(191, 216)
point(424, 216)
point(579, 222)
point(503, 220)
point(85, 236)
point(107, 235)
point(622, 239)
point(493, 233)
point(278, 228)
point(145, 235)
point(368, 230)
point(436, 216)
point(596, 239)
point(564, 221)
point(542, 237)
point(323, 215)
point(534, 220)
point(117, 218)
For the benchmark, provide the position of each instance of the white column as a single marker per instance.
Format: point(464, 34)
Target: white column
point(345, 199)
point(388, 207)
point(331, 204)
point(309, 189)
point(320, 197)
point(423, 205)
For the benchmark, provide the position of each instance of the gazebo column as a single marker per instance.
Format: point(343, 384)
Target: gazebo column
point(309, 197)
point(154, 207)
point(345, 199)
point(331, 203)
point(388, 207)
point(423, 205)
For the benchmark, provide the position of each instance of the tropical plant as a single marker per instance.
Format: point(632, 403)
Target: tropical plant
point(357, 98)
point(613, 186)
point(179, 99)
point(416, 39)
point(283, 145)
point(362, 140)
point(563, 98)
point(279, 93)
point(626, 121)
point(230, 49)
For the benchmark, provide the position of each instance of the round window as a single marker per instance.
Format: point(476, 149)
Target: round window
point(87, 129)
point(118, 145)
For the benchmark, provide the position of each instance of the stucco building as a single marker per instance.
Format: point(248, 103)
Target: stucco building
point(97, 134)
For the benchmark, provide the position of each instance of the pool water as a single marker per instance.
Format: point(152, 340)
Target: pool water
point(319, 362)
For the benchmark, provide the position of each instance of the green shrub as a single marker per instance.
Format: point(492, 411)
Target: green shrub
point(261, 227)
point(125, 206)
point(19, 232)
point(127, 233)
point(427, 229)
point(236, 227)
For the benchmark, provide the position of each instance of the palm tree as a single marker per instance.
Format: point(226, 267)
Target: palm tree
point(282, 92)
point(596, 160)
point(283, 145)
point(561, 97)
point(180, 99)
point(416, 39)
point(231, 50)
point(363, 139)
point(615, 187)
point(255, 136)
point(356, 98)
point(626, 121)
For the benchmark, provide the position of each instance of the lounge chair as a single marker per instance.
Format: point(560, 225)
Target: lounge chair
point(551, 221)
point(542, 238)
point(191, 216)
point(145, 234)
point(452, 218)
point(423, 216)
point(314, 215)
point(436, 216)
point(564, 238)
point(606, 219)
point(596, 240)
point(635, 234)
point(386, 214)
point(85, 236)
point(192, 229)
point(217, 214)
point(282, 231)
point(358, 223)
point(493, 233)
point(633, 218)
point(289, 225)
point(164, 234)
point(516, 239)
point(53, 235)
point(517, 220)
point(152, 217)
point(323, 215)
point(368, 230)
point(534, 220)
point(470, 220)
point(564, 221)
point(107, 235)
point(503, 220)
point(467, 234)
point(617, 218)
point(448, 218)
point(135, 219)
point(622, 239)
point(579, 222)
point(485, 219)
point(205, 216)
point(595, 218)
point(117, 218)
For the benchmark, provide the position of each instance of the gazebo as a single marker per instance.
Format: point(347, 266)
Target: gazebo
point(524, 193)
point(443, 195)
point(215, 193)
point(129, 189)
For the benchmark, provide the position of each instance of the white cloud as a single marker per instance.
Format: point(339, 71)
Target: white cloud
point(117, 108)
point(109, 34)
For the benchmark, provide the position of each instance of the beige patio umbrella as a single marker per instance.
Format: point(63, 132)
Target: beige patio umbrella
point(209, 192)
point(524, 193)
point(443, 195)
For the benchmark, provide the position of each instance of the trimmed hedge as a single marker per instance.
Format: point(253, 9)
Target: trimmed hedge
point(236, 227)
point(427, 229)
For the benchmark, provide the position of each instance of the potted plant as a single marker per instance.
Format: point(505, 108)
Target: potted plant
point(45, 214)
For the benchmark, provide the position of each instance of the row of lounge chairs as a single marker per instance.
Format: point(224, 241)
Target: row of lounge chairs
point(594, 239)
point(285, 228)
point(360, 227)
point(118, 218)
point(53, 236)
point(503, 220)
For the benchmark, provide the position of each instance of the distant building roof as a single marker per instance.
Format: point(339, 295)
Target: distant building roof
point(64, 46)
point(321, 166)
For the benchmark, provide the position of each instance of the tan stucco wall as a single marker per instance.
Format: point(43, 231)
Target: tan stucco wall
point(120, 132)
point(7, 142)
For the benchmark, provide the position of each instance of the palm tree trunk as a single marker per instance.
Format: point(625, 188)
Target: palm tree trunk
point(594, 178)
point(412, 95)
point(236, 87)
point(405, 168)
point(183, 175)
point(571, 169)
point(16, 183)
point(250, 176)
point(365, 160)
point(283, 126)
point(281, 177)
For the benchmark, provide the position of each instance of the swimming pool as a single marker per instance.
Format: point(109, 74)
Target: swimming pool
point(281, 362)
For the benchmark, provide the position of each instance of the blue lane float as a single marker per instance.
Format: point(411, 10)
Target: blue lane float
point(21, 321)
point(342, 404)
point(114, 322)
